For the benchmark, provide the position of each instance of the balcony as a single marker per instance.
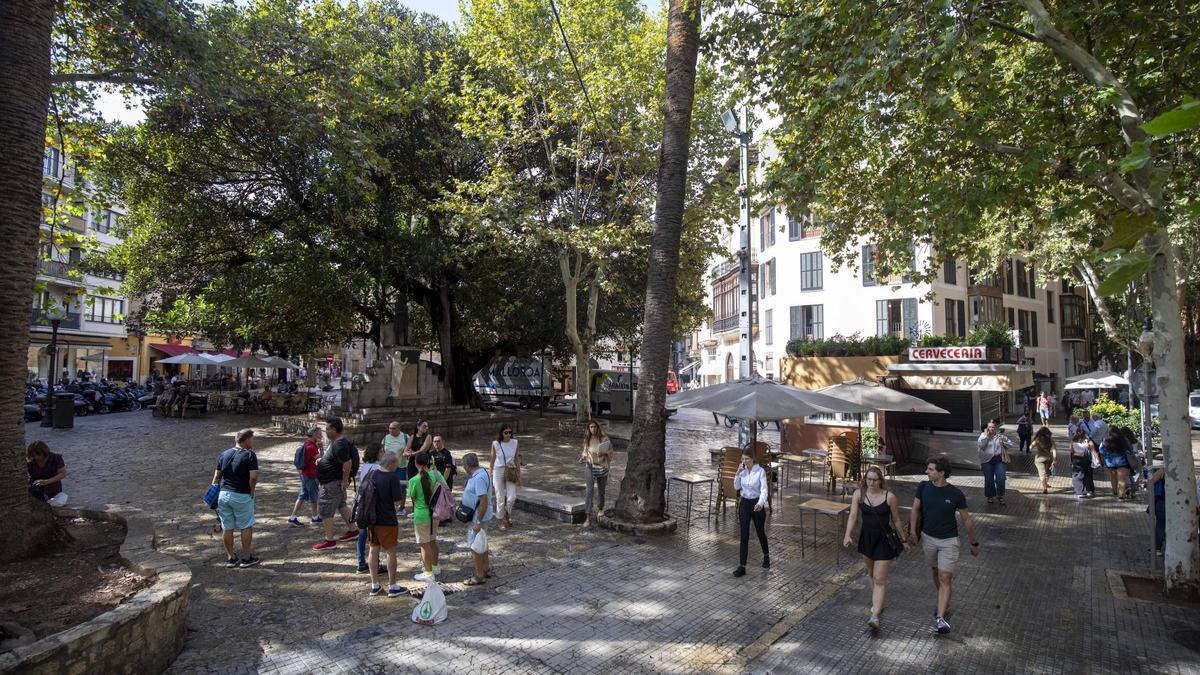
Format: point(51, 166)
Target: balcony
point(41, 319)
point(726, 324)
point(1072, 318)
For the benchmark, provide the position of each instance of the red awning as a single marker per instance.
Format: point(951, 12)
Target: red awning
point(173, 350)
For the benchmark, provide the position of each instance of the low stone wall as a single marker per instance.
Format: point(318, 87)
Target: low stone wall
point(143, 635)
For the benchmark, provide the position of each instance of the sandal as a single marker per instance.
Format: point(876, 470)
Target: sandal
point(990, 500)
point(1001, 501)
point(474, 581)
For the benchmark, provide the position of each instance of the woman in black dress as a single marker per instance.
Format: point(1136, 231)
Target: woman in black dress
point(878, 539)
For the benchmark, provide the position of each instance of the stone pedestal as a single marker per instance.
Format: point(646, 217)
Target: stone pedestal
point(395, 375)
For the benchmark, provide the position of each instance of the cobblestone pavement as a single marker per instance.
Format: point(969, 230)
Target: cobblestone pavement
point(569, 600)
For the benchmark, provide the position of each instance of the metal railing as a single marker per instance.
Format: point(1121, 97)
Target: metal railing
point(40, 317)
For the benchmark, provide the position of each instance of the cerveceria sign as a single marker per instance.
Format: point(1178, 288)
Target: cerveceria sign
point(966, 353)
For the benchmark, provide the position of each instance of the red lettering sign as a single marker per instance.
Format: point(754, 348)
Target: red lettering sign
point(966, 353)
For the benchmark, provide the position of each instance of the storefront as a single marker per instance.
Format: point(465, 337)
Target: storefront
point(974, 392)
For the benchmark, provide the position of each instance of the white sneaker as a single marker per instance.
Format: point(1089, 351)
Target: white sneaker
point(424, 576)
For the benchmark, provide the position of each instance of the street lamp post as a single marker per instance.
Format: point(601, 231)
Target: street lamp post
point(740, 126)
point(48, 407)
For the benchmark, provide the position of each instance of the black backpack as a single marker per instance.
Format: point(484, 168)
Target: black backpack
point(363, 513)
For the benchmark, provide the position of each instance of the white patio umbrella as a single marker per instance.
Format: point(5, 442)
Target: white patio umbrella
point(219, 357)
point(1088, 384)
point(1094, 375)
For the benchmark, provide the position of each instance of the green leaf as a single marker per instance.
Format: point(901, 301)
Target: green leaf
point(1186, 116)
point(1128, 229)
point(1137, 157)
point(1122, 271)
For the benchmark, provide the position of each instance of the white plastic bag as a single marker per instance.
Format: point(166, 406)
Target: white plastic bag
point(432, 607)
point(59, 499)
point(479, 543)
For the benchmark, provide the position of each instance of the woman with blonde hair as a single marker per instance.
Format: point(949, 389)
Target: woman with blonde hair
point(596, 456)
point(878, 539)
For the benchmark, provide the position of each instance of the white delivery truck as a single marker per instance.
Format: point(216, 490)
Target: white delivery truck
point(517, 380)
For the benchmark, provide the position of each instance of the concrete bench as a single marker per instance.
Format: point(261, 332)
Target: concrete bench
point(551, 504)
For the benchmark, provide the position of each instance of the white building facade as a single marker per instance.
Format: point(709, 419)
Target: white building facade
point(800, 295)
point(89, 309)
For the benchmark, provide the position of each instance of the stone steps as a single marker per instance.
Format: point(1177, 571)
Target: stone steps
point(453, 422)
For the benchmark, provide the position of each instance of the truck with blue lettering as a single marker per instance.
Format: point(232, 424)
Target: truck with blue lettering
point(518, 380)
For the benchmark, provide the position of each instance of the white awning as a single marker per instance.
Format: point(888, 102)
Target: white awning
point(711, 368)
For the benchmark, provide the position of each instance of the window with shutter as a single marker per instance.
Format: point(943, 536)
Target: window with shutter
point(910, 318)
point(810, 271)
point(794, 330)
point(868, 266)
point(881, 317)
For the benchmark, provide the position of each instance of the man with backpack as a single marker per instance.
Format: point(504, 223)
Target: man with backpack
point(375, 509)
point(305, 461)
point(237, 473)
point(333, 472)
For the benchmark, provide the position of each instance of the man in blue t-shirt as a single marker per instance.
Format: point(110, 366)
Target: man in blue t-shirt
point(935, 506)
point(237, 473)
point(477, 496)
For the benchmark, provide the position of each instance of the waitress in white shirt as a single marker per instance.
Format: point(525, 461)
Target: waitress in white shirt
point(751, 482)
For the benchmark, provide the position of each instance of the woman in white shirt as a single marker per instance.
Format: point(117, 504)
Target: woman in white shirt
point(751, 483)
point(506, 474)
point(596, 456)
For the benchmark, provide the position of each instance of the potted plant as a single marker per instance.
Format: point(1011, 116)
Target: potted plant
point(996, 337)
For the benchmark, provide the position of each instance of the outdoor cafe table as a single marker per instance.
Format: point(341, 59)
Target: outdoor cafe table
point(823, 507)
point(691, 480)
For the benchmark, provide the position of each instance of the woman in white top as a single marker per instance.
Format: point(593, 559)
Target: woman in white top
point(751, 483)
point(506, 474)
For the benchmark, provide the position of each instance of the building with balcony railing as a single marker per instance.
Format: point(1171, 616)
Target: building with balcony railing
point(89, 308)
point(800, 295)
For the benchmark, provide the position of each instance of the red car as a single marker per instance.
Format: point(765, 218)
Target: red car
point(672, 382)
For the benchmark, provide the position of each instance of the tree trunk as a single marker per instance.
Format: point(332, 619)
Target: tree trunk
point(1181, 556)
point(24, 96)
point(583, 370)
point(641, 496)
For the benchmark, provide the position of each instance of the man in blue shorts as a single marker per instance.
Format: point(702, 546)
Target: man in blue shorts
point(237, 473)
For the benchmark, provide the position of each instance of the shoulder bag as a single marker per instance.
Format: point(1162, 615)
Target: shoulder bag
point(890, 537)
point(512, 474)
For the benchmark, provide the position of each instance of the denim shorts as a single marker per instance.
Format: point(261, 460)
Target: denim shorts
point(236, 510)
point(310, 489)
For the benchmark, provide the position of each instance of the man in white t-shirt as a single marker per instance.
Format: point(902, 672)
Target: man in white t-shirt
point(395, 441)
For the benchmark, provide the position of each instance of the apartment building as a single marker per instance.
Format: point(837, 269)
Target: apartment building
point(88, 308)
point(800, 295)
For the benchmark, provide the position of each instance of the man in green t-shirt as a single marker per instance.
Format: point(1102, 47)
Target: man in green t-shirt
point(933, 521)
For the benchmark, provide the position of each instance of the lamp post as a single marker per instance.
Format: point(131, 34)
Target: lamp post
point(48, 412)
point(1146, 347)
point(740, 127)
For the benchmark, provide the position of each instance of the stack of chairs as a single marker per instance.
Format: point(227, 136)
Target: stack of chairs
point(845, 460)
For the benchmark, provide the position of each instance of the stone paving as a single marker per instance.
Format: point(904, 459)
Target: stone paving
point(570, 600)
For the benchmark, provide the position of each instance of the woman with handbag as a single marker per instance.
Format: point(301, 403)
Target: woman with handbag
point(878, 539)
point(506, 470)
point(1084, 458)
point(596, 456)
